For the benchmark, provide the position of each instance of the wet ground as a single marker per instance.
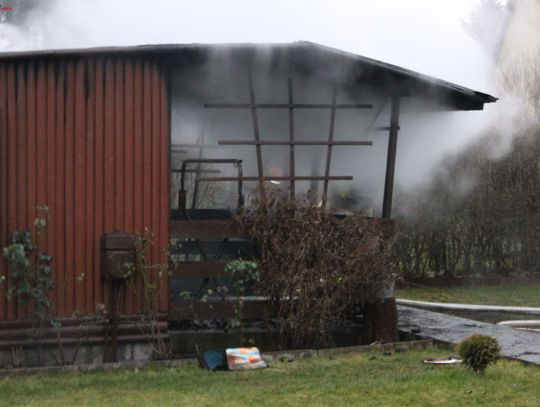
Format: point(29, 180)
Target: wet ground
point(521, 345)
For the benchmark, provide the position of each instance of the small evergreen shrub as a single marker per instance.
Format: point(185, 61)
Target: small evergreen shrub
point(478, 352)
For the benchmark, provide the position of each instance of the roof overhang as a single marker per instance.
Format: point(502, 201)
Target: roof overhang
point(331, 63)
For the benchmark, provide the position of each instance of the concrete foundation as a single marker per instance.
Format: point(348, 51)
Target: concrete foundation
point(16, 356)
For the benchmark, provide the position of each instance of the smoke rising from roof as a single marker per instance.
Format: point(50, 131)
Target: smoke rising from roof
point(422, 35)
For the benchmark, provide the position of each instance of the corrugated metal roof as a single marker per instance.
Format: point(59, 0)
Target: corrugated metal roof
point(305, 53)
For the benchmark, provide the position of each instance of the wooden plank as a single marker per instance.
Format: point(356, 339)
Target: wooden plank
point(50, 137)
point(90, 242)
point(30, 157)
point(138, 158)
point(329, 148)
point(223, 310)
point(286, 178)
point(69, 187)
point(288, 106)
point(199, 269)
point(22, 146)
point(292, 143)
point(4, 194)
point(59, 259)
point(391, 158)
point(41, 142)
point(165, 193)
point(119, 145)
point(79, 202)
point(129, 169)
point(187, 229)
point(147, 144)
point(41, 135)
point(156, 168)
point(109, 146)
point(12, 170)
point(31, 144)
point(99, 216)
point(256, 135)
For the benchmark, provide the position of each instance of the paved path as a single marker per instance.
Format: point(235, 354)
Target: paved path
point(515, 344)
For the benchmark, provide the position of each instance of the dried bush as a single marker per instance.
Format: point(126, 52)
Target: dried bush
point(479, 216)
point(314, 266)
point(478, 352)
point(480, 213)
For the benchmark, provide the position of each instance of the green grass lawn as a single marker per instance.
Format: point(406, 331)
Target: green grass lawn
point(517, 295)
point(371, 379)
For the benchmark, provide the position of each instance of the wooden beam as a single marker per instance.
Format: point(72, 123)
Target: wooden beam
point(256, 135)
point(199, 269)
point(287, 106)
point(391, 158)
point(329, 148)
point(197, 172)
point(285, 178)
point(179, 171)
point(207, 229)
point(252, 309)
point(293, 143)
point(292, 164)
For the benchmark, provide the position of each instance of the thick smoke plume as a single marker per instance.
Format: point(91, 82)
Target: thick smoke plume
point(422, 35)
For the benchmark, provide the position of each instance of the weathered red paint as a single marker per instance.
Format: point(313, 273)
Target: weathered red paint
point(88, 137)
point(3, 182)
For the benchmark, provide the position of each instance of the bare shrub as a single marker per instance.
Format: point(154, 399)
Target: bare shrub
point(314, 266)
point(490, 226)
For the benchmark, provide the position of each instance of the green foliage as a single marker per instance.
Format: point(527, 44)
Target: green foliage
point(31, 269)
point(244, 273)
point(479, 351)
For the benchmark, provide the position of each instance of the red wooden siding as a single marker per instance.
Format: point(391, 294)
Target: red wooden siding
point(89, 138)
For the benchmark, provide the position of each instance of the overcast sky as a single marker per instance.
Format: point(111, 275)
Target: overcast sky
point(423, 35)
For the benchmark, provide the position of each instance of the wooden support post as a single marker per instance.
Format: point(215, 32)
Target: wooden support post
point(111, 354)
point(391, 158)
point(291, 138)
point(197, 172)
point(329, 148)
point(381, 321)
point(257, 136)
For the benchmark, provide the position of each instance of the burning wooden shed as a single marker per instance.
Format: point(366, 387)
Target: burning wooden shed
point(170, 138)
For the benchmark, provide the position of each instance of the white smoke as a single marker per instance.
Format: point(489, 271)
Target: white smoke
point(424, 35)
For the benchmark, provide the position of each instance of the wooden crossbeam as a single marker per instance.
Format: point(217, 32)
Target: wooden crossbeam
point(251, 309)
point(178, 170)
point(205, 229)
point(287, 106)
point(176, 146)
point(199, 269)
point(213, 161)
point(293, 143)
point(285, 178)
